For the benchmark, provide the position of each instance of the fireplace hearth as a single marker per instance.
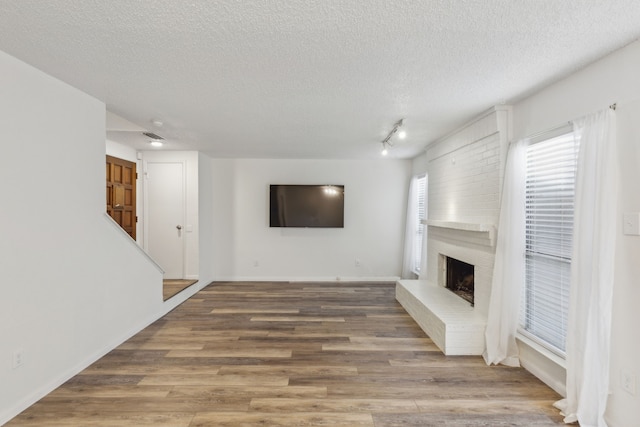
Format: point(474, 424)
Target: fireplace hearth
point(460, 279)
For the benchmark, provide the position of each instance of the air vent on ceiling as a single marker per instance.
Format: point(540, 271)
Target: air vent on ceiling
point(152, 135)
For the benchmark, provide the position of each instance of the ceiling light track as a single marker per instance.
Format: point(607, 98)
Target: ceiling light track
point(388, 142)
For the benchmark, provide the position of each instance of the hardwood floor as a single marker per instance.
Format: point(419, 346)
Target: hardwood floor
point(304, 354)
point(171, 287)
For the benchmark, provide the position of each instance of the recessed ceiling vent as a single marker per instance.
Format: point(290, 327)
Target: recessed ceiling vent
point(153, 136)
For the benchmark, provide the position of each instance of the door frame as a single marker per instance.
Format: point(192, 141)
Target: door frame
point(114, 161)
point(183, 207)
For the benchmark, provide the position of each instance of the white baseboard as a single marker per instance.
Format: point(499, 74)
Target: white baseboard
point(306, 279)
point(70, 373)
point(63, 377)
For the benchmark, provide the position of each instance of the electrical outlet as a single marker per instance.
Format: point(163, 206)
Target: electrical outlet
point(18, 358)
point(357, 262)
point(256, 263)
point(628, 382)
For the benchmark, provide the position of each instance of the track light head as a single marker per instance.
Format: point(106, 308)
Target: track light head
point(387, 141)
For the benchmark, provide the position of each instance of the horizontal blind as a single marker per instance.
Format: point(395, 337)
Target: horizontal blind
point(421, 192)
point(550, 189)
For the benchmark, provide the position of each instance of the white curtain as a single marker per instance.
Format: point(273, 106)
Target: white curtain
point(423, 253)
point(410, 232)
point(508, 270)
point(592, 272)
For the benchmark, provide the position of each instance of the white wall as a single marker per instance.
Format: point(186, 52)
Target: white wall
point(121, 151)
point(246, 248)
point(73, 285)
point(190, 162)
point(612, 79)
point(420, 164)
point(206, 206)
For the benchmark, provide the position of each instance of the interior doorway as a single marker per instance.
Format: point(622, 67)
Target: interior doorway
point(121, 193)
point(164, 216)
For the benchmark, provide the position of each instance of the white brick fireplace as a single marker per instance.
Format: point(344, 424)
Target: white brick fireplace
point(465, 176)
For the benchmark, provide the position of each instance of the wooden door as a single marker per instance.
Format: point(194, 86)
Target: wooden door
point(121, 193)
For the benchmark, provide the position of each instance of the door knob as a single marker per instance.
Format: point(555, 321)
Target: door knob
point(179, 227)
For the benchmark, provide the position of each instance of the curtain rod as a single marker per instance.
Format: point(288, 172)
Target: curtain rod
point(560, 126)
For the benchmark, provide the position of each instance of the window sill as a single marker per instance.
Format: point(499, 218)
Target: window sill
point(543, 363)
point(560, 361)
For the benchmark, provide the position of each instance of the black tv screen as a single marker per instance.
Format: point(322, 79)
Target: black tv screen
point(306, 206)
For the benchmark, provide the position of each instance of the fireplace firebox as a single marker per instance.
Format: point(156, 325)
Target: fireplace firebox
point(459, 279)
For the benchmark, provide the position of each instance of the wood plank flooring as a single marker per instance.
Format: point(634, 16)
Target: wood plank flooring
point(292, 354)
point(172, 287)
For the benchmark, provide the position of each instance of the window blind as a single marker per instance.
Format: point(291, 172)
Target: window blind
point(550, 189)
point(422, 215)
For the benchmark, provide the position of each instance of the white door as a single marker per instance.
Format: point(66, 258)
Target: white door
point(165, 217)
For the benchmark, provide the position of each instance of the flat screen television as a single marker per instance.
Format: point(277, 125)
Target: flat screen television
point(306, 206)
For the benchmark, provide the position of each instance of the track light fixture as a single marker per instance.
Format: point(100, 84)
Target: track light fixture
point(386, 143)
point(156, 140)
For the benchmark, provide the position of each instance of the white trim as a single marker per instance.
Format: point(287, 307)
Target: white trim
point(543, 364)
point(133, 242)
point(484, 114)
point(145, 209)
point(335, 279)
point(552, 356)
point(60, 379)
point(557, 355)
point(488, 230)
point(465, 226)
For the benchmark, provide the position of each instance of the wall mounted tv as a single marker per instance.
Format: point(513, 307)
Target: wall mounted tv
point(306, 206)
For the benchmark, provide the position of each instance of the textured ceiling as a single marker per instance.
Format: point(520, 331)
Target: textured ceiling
point(305, 78)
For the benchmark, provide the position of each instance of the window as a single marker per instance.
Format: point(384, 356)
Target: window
point(550, 189)
point(421, 205)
